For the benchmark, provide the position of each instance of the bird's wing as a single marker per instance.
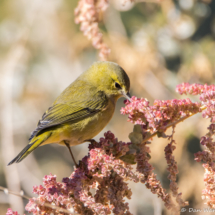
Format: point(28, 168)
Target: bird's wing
point(71, 112)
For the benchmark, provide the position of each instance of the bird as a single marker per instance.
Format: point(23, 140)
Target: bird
point(82, 110)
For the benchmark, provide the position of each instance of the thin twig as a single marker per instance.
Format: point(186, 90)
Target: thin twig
point(6, 191)
point(172, 124)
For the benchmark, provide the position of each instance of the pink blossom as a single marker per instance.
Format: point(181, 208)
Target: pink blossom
point(194, 89)
point(159, 115)
point(173, 170)
point(207, 97)
point(87, 14)
point(208, 156)
point(11, 212)
point(149, 178)
point(101, 171)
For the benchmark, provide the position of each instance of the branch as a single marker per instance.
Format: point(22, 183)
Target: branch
point(172, 124)
point(21, 194)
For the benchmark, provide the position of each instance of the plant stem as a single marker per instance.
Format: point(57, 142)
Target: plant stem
point(6, 191)
point(172, 124)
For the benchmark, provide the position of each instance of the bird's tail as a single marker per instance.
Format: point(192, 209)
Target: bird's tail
point(35, 142)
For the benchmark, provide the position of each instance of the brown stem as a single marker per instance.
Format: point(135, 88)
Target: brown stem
point(6, 191)
point(172, 124)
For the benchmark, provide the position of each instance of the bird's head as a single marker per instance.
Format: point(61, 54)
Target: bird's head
point(110, 78)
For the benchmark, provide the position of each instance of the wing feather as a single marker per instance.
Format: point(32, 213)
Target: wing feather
point(72, 111)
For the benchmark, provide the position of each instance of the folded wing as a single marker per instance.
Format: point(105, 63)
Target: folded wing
point(71, 112)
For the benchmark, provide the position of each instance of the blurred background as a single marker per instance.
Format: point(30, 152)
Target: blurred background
point(159, 44)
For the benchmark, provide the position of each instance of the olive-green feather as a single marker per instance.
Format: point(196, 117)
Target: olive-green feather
point(30, 147)
point(61, 113)
point(71, 112)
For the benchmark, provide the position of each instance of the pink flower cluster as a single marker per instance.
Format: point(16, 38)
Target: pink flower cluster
point(100, 171)
point(207, 96)
point(194, 89)
point(87, 14)
point(104, 172)
point(208, 156)
point(11, 212)
point(150, 180)
point(158, 116)
point(173, 171)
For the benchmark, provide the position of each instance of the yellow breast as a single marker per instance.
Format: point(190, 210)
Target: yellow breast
point(79, 132)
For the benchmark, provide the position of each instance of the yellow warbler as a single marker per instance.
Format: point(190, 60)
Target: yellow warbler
point(82, 110)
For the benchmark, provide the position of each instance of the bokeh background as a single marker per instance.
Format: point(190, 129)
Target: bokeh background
point(159, 44)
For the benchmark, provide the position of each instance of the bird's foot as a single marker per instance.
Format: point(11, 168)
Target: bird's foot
point(73, 158)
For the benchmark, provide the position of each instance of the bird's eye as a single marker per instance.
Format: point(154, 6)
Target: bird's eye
point(117, 85)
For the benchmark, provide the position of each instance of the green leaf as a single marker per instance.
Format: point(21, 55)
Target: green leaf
point(138, 129)
point(161, 134)
point(129, 159)
point(136, 138)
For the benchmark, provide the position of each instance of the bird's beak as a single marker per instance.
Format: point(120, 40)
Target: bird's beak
point(126, 95)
